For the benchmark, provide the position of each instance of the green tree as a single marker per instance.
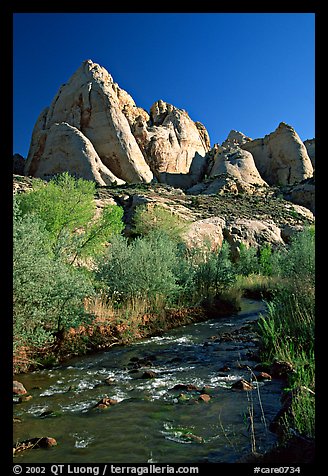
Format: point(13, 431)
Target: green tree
point(67, 207)
point(48, 294)
point(62, 203)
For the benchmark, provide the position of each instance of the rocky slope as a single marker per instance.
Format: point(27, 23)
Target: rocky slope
point(236, 190)
point(251, 219)
point(93, 128)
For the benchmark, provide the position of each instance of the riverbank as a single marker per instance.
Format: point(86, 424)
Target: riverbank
point(179, 392)
point(112, 327)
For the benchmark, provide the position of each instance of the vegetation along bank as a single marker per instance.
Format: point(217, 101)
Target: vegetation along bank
point(98, 266)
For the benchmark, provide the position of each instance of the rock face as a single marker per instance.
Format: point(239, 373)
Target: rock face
point(281, 157)
point(18, 164)
point(174, 146)
point(94, 129)
point(251, 233)
point(230, 169)
point(208, 230)
point(310, 147)
point(92, 103)
point(66, 148)
point(238, 164)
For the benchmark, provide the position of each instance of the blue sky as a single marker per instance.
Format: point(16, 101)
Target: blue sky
point(243, 71)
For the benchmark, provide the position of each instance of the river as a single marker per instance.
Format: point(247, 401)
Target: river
point(151, 422)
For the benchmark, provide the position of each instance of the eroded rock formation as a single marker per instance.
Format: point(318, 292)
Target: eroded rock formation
point(174, 146)
point(94, 130)
point(281, 157)
point(92, 103)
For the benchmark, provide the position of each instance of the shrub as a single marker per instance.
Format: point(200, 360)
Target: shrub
point(288, 330)
point(142, 269)
point(212, 273)
point(151, 218)
point(247, 262)
point(62, 203)
point(66, 206)
point(47, 293)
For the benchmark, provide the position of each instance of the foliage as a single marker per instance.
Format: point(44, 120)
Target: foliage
point(288, 330)
point(247, 262)
point(66, 205)
point(147, 219)
point(212, 272)
point(62, 203)
point(265, 260)
point(47, 293)
point(140, 269)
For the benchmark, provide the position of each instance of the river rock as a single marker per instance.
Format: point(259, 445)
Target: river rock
point(35, 443)
point(281, 157)
point(281, 369)
point(105, 402)
point(185, 387)
point(92, 103)
point(149, 374)
point(260, 376)
point(242, 384)
point(204, 397)
point(18, 388)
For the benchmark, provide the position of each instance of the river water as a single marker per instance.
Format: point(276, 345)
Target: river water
point(151, 422)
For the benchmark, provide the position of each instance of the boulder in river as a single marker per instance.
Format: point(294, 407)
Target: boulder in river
point(281, 369)
point(18, 388)
point(186, 387)
point(204, 397)
point(242, 384)
point(32, 443)
point(105, 402)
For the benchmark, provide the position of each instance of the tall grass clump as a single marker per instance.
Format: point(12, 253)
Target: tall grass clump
point(288, 330)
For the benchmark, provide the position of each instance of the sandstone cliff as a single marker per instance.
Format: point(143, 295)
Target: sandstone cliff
point(94, 130)
point(91, 103)
point(124, 141)
point(281, 157)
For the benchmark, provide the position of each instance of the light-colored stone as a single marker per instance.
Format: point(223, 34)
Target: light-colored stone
point(281, 157)
point(207, 232)
point(235, 139)
point(92, 103)
point(174, 146)
point(67, 149)
point(310, 147)
point(238, 164)
point(251, 233)
point(303, 194)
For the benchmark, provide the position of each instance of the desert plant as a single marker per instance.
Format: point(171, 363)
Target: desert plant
point(141, 269)
point(47, 293)
point(288, 330)
point(66, 205)
point(148, 218)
